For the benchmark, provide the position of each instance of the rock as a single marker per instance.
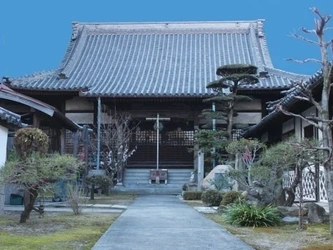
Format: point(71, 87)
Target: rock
point(290, 219)
point(219, 170)
point(291, 211)
point(192, 187)
point(316, 213)
point(245, 194)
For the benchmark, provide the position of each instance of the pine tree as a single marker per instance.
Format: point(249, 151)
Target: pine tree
point(233, 77)
point(211, 141)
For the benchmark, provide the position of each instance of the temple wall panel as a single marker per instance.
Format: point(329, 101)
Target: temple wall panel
point(288, 126)
point(309, 112)
point(79, 103)
point(248, 118)
point(255, 104)
point(81, 118)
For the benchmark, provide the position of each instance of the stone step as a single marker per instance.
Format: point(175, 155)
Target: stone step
point(149, 189)
point(138, 180)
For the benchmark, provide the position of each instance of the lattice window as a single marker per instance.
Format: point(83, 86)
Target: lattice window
point(236, 134)
point(309, 185)
point(176, 138)
point(322, 189)
point(69, 142)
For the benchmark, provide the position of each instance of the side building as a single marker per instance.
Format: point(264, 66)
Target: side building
point(277, 127)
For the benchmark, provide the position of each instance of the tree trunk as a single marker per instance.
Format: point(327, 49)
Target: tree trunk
point(328, 165)
point(291, 197)
point(276, 187)
point(92, 192)
point(329, 188)
point(28, 204)
point(300, 212)
point(230, 122)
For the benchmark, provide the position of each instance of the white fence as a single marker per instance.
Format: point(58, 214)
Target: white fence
point(309, 185)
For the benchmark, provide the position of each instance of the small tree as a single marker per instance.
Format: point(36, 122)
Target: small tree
point(268, 173)
point(207, 140)
point(33, 169)
point(247, 152)
point(98, 181)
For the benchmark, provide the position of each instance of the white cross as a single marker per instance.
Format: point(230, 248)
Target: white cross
point(158, 119)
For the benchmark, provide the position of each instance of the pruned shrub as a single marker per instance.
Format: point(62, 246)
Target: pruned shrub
point(212, 197)
point(231, 197)
point(248, 215)
point(192, 195)
point(99, 181)
point(29, 140)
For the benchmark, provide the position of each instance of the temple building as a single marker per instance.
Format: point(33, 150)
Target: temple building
point(155, 71)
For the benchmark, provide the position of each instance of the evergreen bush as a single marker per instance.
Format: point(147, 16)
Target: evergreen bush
point(29, 140)
point(231, 197)
point(212, 197)
point(99, 181)
point(192, 195)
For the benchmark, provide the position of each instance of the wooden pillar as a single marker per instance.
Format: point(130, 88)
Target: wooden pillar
point(76, 144)
point(35, 119)
point(63, 130)
point(62, 141)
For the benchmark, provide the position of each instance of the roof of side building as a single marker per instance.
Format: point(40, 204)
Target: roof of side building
point(10, 118)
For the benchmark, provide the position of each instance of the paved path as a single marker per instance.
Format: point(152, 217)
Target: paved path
point(165, 222)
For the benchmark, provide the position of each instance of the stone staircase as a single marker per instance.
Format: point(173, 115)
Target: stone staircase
point(137, 181)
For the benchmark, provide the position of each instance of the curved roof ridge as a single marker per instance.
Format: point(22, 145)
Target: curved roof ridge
point(169, 22)
point(287, 74)
point(72, 45)
point(263, 43)
point(170, 26)
point(35, 76)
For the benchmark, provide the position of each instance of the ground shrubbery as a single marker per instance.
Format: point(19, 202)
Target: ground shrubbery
point(231, 197)
point(248, 215)
point(192, 195)
point(212, 197)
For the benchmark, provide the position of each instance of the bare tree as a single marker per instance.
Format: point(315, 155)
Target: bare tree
point(323, 121)
point(116, 132)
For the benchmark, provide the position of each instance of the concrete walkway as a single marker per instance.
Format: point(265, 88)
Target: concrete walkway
point(165, 222)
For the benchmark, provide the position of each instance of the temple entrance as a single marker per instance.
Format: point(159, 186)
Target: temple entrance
point(176, 140)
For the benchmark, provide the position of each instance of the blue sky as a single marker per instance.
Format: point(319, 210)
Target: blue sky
point(34, 34)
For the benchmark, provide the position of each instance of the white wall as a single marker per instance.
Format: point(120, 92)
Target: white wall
point(288, 126)
point(300, 124)
point(3, 144)
point(3, 155)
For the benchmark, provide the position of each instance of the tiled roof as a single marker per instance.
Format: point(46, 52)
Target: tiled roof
point(285, 102)
point(157, 59)
point(10, 118)
point(7, 93)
